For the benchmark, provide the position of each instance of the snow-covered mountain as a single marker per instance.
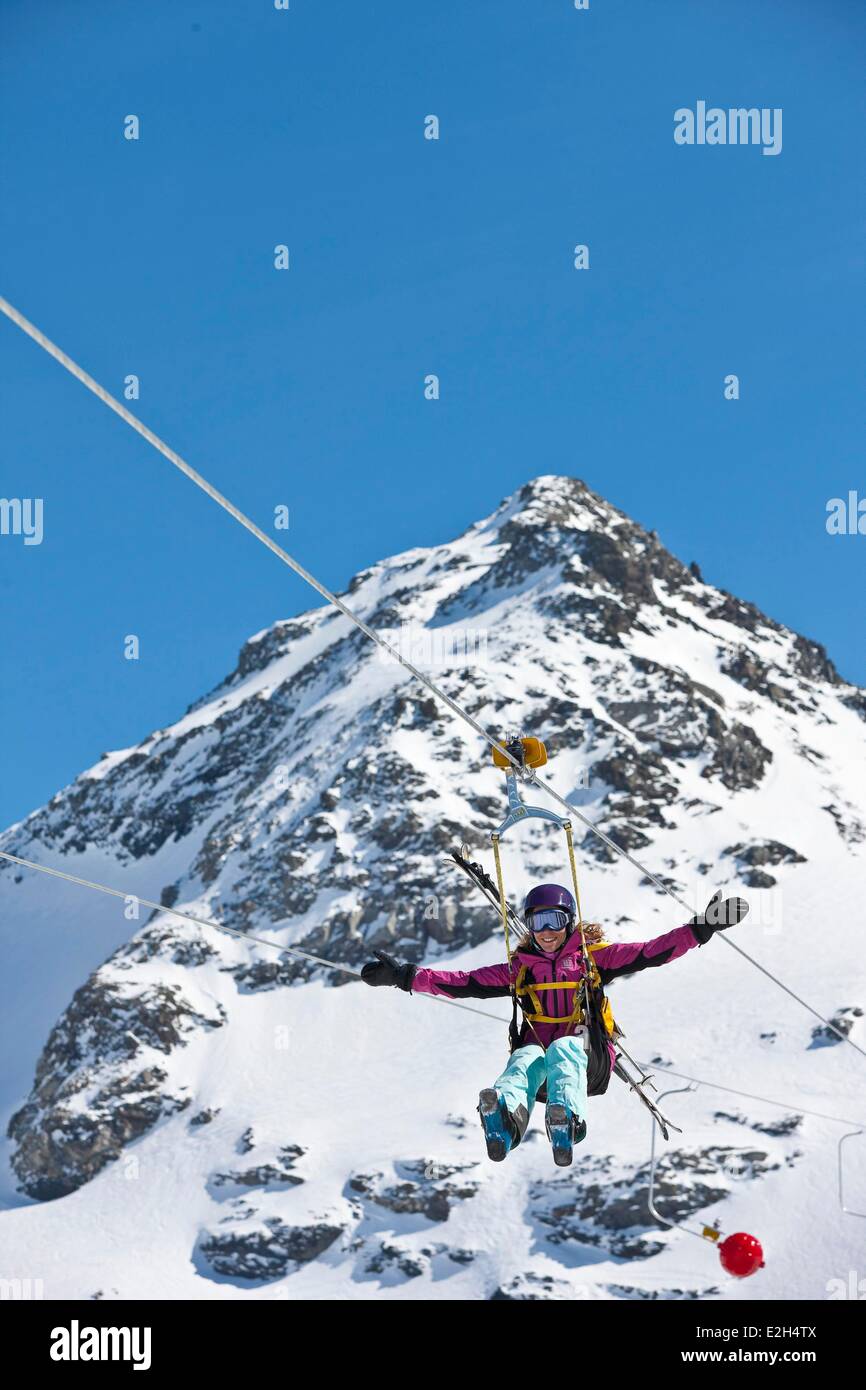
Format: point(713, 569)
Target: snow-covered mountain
point(191, 1115)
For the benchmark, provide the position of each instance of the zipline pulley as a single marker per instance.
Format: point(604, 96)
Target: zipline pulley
point(530, 753)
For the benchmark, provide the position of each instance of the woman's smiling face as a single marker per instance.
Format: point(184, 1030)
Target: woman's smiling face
point(550, 940)
point(549, 927)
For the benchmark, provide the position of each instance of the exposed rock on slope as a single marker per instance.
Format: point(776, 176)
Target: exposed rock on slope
point(264, 1250)
point(601, 1204)
point(98, 1085)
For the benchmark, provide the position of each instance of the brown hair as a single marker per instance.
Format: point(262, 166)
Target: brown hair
point(593, 932)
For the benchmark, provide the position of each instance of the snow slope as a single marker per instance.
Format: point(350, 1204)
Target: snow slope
point(192, 1116)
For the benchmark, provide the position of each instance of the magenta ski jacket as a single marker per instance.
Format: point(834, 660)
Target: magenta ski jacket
point(611, 960)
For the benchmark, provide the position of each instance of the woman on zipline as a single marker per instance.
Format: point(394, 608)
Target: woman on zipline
point(558, 1046)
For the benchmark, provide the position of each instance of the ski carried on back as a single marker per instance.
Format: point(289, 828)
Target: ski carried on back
point(484, 882)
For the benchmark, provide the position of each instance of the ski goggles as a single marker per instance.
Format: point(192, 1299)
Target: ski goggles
point(548, 919)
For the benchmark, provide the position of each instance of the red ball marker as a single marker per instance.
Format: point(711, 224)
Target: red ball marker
point(741, 1255)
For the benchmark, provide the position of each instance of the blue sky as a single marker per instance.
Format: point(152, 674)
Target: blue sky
point(408, 257)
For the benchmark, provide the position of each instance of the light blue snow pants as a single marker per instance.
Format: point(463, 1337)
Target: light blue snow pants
point(562, 1066)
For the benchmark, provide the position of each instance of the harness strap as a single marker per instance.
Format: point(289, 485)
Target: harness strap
point(530, 988)
point(587, 978)
point(533, 990)
point(503, 902)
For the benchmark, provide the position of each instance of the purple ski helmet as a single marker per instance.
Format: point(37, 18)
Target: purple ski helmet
point(547, 896)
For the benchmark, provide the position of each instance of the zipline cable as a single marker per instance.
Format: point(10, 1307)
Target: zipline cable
point(347, 970)
point(100, 392)
point(750, 1095)
point(220, 926)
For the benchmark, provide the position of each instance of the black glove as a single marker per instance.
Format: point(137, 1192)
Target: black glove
point(385, 970)
point(720, 913)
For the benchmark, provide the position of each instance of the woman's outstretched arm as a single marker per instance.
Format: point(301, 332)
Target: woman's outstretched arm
point(490, 982)
point(627, 957)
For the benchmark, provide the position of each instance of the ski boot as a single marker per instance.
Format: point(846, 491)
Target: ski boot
point(502, 1130)
point(564, 1130)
